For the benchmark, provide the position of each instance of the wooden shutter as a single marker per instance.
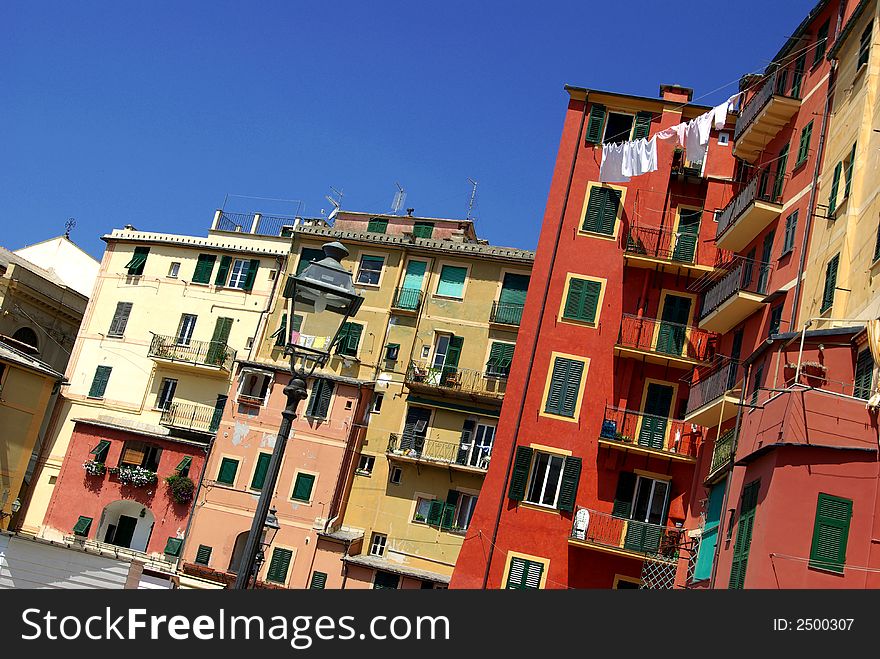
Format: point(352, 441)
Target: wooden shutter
point(830, 533)
point(464, 442)
point(565, 381)
point(830, 283)
point(82, 526)
point(601, 210)
point(423, 229)
point(595, 124)
point(863, 375)
point(218, 348)
point(251, 275)
point(308, 256)
point(136, 265)
point(319, 402)
point(319, 581)
point(743, 542)
point(204, 267)
point(99, 381)
point(302, 489)
point(592, 218)
point(452, 280)
point(642, 125)
point(804, 146)
point(571, 474)
point(849, 172)
point(609, 211)
point(779, 182)
point(228, 468)
point(133, 453)
point(223, 271)
point(435, 512)
point(173, 545)
point(573, 302)
point(120, 319)
point(623, 495)
point(377, 225)
point(519, 477)
point(500, 357)
point(260, 472)
point(453, 353)
point(835, 183)
point(524, 574)
point(281, 333)
point(279, 565)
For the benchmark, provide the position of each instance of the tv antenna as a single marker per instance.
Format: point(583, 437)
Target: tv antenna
point(399, 198)
point(473, 200)
point(335, 199)
point(68, 226)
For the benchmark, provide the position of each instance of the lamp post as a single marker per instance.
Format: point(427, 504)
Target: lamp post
point(319, 302)
point(15, 507)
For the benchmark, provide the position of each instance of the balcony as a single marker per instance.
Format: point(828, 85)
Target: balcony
point(624, 537)
point(649, 434)
point(192, 416)
point(202, 355)
point(689, 171)
point(767, 112)
point(722, 456)
point(262, 225)
point(750, 211)
point(506, 313)
point(670, 251)
point(737, 292)
point(662, 342)
point(464, 457)
point(714, 392)
point(407, 299)
point(455, 382)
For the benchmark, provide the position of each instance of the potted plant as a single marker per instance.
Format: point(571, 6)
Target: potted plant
point(181, 488)
point(94, 468)
point(135, 476)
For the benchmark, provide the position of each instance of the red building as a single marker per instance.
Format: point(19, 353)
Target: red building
point(593, 464)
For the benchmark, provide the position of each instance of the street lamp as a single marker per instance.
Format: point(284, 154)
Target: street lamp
point(15, 506)
point(319, 302)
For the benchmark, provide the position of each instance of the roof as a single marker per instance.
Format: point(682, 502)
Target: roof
point(10, 354)
point(137, 428)
point(274, 245)
point(380, 563)
point(644, 99)
point(809, 334)
point(847, 29)
point(342, 535)
point(795, 37)
point(8, 257)
point(392, 216)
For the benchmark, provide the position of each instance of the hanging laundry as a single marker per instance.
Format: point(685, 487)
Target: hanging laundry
point(719, 112)
point(679, 132)
point(697, 139)
point(611, 169)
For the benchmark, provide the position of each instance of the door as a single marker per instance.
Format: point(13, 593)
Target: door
point(218, 412)
point(444, 366)
point(688, 233)
point(644, 531)
point(412, 285)
point(735, 351)
point(512, 299)
point(673, 325)
point(415, 429)
point(217, 350)
point(186, 328)
point(483, 437)
point(779, 180)
point(764, 265)
point(658, 404)
point(124, 531)
point(166, 393)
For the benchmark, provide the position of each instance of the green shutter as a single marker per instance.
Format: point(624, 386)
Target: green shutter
point(642, 125)
point(435, 512)
point(821, 43)
point(448, 516)
point(228, 469)
point(500, 357)
point(82, 526)
point(319, 581)
point(863, 375)
point(830, 284)
point(281, 333)
point(251, 275)
point(779, 181)
point(348, 339)
point(223, 271)
point(582, 301)
point(99, 382)
point(307, 256)
point(319, 401)
point(423, 229)
point(120, 319)
point(601, 211)
point(571, 474)
point(218, 349)
point(203, 555)
point(302, 489)
point(453, 355)
point(377, 225)
point(835, 183)
point(830, 533)
point(172, 547)
point(452, 280)
point(524, 574)
point(279, 565)
point(204, 267)
point(260, 472)
point(100, 449)
point(623, 495)
point(519, 476)
point(184, 464)
point(849, 172)
point(136, 265)
point(595, 124)
point(565, 381)
point(804, 146)
point(743, 542)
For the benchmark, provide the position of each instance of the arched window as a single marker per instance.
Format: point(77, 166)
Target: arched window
point(238, 551)
point(28, 336)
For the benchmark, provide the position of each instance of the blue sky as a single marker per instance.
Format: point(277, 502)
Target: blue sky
point(151, 113)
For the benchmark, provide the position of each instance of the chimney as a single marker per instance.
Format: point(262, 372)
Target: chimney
point(409, 212)
point(676, 93)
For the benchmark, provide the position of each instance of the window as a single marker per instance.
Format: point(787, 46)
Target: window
point(748, 504)
point(319, 401)
point(254, 387)
point(365, 465)
point(500, 357)
point(386, 581)
point(464, 511)
point(601, 211)
point(790, 230)
point(779, 180)
point(864, 374)
point(100, 451)
point(186, 328)
point(140, 454)
point(423, 229)
point(849, 164)
point(835, 184)
point(174, 269)
point(173, 546)
point(302, 487)
point(475, 445)
point(396, 476)
point(392, 351)
point(136, 265)
point(451, 282)
point(821, 43)
point(756, 384)
point(166, 393)
point(28, 337)
point(262, 468)
point(243, 273)
point(377, 225)
point(120, 319)
point(830, 284)
point(618, 127)
point(723, 139)
point(319, 581)
point(377, 403)
point(830, 533)
point(82, 526)
point(348, 339)
point(99, 381)
point(279, 565)
point(524, 574)
point(423, 509)
point(545, 479)
point(204, 268)
point(877, 246)
point(564, 387)
point(775, 320)
point(306, 257)
point(377, 544)
point(203, 555)
point(582, 300)
point(228, 469)
point(370, 270)
point(804, 145)
point(865, 45)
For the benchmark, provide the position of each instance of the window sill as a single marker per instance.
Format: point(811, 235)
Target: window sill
point(117, 337)
point(583, 323)
point(599, 235)
point(367, 284)
point(301, 502)
point(452, 298)
point(787, 252)
point(359, 472)
point(538, 506)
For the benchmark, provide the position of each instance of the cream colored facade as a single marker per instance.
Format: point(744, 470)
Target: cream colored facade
point(66, 260)
point(161, 325)
point(850, 233)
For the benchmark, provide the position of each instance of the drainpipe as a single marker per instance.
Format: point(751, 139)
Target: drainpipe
point(192, 509)
point(534, 347)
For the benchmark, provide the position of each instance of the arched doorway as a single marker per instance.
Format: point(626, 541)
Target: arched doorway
point(28, 337)
point(126, 524)
point(238, 551)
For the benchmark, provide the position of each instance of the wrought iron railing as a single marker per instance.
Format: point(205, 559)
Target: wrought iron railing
point(604, 530)
point(192, 416)
point(266, 225)
point(711, 382)
point(506, 313)
point(205, 353)
point(272, 225)
point(409, 299)
point(432, 450)
point(666, 338)
point(672, 246)
point(740, 275)
point(638, 429)
point(240, 222)
point(454, 379)
point(787, 82)
point(723, 451)
point(765, 185)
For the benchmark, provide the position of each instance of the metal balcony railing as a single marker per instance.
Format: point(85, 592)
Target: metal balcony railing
point(712, 382)
point(740, 275)
point(201, 353)
point(454, 379)
point(609, 531)
point(722, 452)
point(666, 338)
point(787, 82)
point(192, 416)
point(672, 246)
point(258, 224)
point(506, 313)
point(765, 185)
point(432, 450)
point(638, 429)
point(409, 299)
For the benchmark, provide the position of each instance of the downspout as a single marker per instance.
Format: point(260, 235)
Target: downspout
point(192, 509)
point(280, 263)
point(534, 347)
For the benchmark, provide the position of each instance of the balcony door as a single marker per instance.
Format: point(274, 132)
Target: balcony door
point(650, 506)
point(512, 298)
point(217, 350)
point(687, 235)
point(412, 284)
point(186, 328)
point(673, 325)
point(657, 408)
point(415, 429)
point(444, 365)
point(476, 444)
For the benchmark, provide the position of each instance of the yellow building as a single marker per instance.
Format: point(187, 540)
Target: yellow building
point(842, 273)
point(26, 387)
point(435, 333)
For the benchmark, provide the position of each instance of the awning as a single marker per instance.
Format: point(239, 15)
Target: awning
point(82, 525)
point(172, 547)
point(184, 464)
point(137, 261)
point(102, 446)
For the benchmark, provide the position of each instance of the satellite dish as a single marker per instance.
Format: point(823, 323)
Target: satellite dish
point(335, 210)
point(399, 198)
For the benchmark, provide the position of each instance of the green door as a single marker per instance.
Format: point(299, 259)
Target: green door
point(124, 531)
point(658, 403)
point(217, 349)
point(688, 233)
point(650, 506)
point(415, 429)
point(673, 325)
point(412, 285)
point(512, 299)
